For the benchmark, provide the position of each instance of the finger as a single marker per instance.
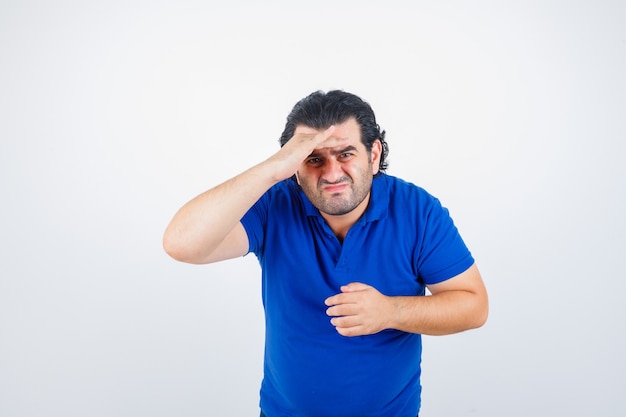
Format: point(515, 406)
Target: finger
point(318, 140)
point(352, 331)
point(310, 137)
point(333, 142)
point(355, 286)
point(331, 301)
point(334, 300)
point(329, 132)
point(346, 321)
point(341, 298)
point(342, 310)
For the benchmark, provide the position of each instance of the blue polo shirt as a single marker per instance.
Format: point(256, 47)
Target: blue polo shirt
point(404, 241)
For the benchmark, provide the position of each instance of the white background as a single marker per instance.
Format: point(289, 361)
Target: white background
point(113, 114)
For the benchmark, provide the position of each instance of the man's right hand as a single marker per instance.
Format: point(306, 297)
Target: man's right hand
point(304, 141)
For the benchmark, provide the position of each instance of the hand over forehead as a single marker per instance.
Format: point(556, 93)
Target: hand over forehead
point(325, 138)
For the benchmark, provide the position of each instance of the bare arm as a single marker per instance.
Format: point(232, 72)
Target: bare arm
point(455, 305)
point(208, 228)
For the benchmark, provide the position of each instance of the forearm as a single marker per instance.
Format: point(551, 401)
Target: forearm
point(204, 223)
point(457, 304)
point(198, 228)
point(440, 314)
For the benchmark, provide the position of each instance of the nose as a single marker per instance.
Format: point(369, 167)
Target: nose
point(333, 171)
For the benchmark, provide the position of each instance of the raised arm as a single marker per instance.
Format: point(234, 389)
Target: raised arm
point(208, 228)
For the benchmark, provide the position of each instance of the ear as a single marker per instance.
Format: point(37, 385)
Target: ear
point(375, 153)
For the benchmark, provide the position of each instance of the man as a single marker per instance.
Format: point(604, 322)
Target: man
point(346, 253)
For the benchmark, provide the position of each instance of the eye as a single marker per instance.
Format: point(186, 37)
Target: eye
point(346, 155)
point(314, 161)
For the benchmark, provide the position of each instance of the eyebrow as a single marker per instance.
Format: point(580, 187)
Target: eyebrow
point(340, 151)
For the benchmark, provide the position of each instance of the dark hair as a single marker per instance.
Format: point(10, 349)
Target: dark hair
point(321, 110)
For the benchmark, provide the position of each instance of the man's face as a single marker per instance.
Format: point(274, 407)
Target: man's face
point(338, 180)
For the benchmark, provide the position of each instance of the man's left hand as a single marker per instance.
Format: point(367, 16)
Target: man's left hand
point(359, 309)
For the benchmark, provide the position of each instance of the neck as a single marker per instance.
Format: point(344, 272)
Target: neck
point(341, 223)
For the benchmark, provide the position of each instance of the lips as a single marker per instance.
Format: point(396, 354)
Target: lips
point(335, 188)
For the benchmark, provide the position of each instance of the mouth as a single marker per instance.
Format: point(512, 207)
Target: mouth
point(335, 188)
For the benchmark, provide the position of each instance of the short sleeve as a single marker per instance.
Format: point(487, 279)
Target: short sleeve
point(443, 253)
point(254, 223)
